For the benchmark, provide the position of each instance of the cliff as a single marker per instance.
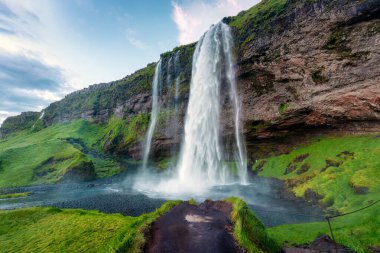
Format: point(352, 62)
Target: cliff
point(300, 65)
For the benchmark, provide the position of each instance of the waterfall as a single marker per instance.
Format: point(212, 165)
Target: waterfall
point(153, 115)
point(204, 159)
point(241, 151)
point(201, 161)
point(177, 80)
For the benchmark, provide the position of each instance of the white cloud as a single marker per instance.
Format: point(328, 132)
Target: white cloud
point(193, 18)
point(132, 39)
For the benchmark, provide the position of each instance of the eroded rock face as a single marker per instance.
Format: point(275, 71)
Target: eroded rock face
point(316, 68)
point(321, 68)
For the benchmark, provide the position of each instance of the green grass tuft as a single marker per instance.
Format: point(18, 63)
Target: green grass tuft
point(249, 231)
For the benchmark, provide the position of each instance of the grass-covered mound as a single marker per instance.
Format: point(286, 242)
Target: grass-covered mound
point(249, 231)
point(45, 229)
point(46, 156)
point(78, 149)
point(342, 174)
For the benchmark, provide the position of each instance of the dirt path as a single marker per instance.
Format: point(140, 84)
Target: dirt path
point(190, 228)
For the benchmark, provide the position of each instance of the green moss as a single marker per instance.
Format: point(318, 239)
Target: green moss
point(165, 163)
point(336, 165)
point(45, 229)
point(15, 195)
point(123, 132)
point(336, 168)
point(282, 108)
point(259, 13)
point(249, 231)
point(338, 41)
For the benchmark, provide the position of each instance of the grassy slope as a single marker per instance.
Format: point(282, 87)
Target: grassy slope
point(335, 168)
point(248, 230)
point(44, 229)
point(24, 151)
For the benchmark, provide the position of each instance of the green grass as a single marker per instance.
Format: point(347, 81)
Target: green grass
point(282, 108)
point(14, 195)
point(357, 231)
point(255, 19)
point(338, 167)
point(259, 13)
point(30, 158)
point(249, 231)
point(46, 229)
point(122, 132)
point(344, 172)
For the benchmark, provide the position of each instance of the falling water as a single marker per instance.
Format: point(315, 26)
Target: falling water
point(177, 80)
point(201, 161)
point(241, 151)
point(153, 115)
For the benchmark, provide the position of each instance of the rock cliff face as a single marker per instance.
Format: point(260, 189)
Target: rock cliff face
point(25, 120)
point(301, 65)
point(316, 65)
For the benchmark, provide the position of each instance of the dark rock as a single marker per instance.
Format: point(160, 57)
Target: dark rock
point(304, 168)
point(312, 196)
point(192, 228)
point(360, 190)
point(85, 171)
point(290, 168)
point(300, 158)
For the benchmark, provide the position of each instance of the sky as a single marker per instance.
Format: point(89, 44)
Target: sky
point(49, 48)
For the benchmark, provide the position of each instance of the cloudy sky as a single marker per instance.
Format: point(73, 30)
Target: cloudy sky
point(49, 48)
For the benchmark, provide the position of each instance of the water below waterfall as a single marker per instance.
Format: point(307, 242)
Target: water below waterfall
point(202, 159)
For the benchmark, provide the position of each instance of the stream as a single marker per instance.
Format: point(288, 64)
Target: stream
point(117, 195)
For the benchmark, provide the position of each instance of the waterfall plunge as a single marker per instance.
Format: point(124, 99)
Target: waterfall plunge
point(201, 164)
point(201, 161)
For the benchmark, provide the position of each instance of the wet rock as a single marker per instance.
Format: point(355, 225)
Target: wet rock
point(360, 190)
point(290, 168)
point(304, 168)
point(322, 244)
point(312, 196)
point(300, 158)
point(191, 228)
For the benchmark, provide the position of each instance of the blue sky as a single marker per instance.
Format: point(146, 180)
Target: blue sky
point(49, 48)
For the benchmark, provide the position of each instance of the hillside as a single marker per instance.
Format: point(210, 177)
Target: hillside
point(308, 79)
point(304, 68)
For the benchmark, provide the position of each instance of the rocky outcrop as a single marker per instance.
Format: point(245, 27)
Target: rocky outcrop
point(316, 65)
point(24, 121)
point(84, 171)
